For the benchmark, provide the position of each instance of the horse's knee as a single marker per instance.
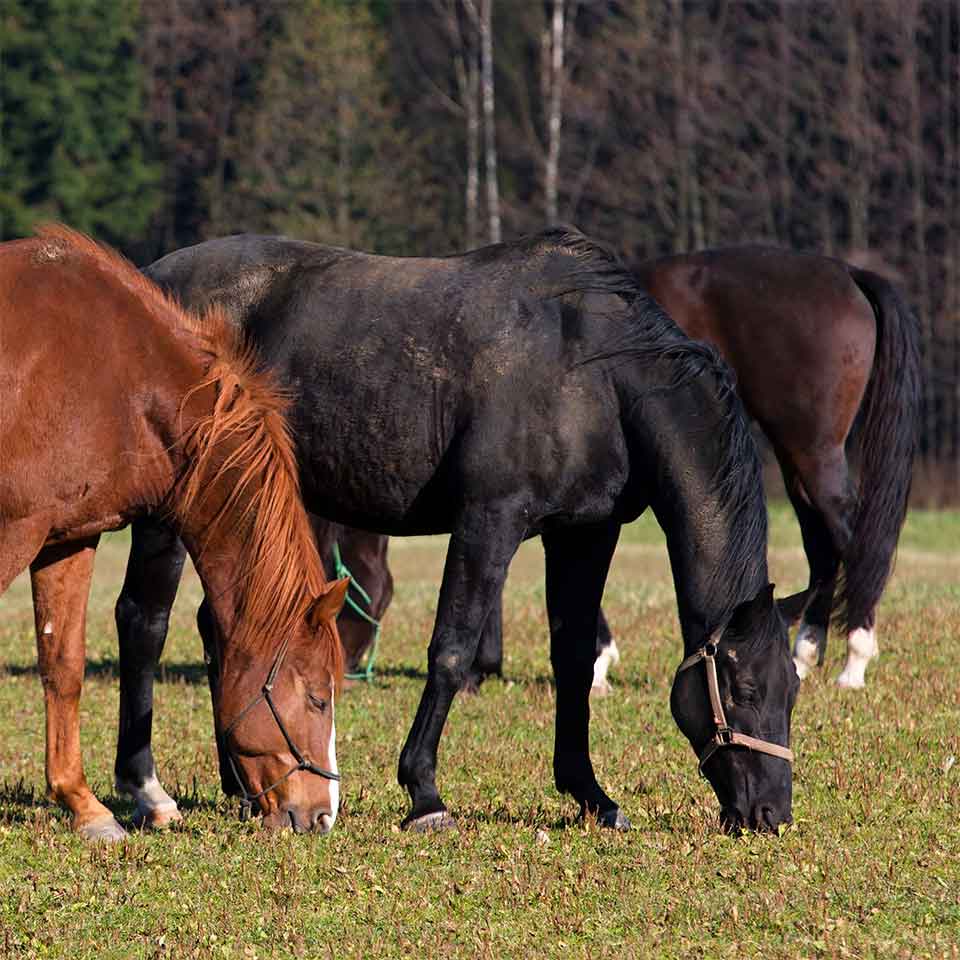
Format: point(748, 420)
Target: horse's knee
point(449, 668)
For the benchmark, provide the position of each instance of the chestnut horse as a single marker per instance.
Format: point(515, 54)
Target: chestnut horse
point(116, 405)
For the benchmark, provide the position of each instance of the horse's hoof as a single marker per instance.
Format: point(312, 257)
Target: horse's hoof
point(601, 689)
point(157, 819)
point(104, 830)
point(614, 819)
point(850, 681)
point(430, 823)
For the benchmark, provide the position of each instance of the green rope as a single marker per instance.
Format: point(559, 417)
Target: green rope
point(341, 570)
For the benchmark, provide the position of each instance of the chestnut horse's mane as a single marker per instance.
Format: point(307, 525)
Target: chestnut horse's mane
point(280, 572)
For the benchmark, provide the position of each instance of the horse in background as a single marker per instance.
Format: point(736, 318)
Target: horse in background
point(117, 405)
point(523, 389)
point(817, 346)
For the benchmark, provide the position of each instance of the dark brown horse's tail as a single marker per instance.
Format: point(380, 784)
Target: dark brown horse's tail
point(887, 442)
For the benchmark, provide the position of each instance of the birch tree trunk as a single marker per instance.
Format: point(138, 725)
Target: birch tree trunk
point(467, 66)
point(858, 130)
point(785, 182)
point(555, 111)
point(681, 237)
point(343, 167)
point(489, 119)
point(910, 16)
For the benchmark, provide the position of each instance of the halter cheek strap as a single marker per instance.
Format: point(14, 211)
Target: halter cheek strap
point(725, 737)
point(303, 762)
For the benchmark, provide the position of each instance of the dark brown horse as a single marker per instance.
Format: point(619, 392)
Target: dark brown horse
point(815, 343)
point(117, 404)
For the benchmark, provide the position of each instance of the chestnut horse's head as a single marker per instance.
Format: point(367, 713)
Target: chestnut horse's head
point(277, 729)
point(270, 612)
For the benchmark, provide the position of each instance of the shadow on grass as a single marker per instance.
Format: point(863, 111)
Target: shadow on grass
point(110, 667)
point(397, 672)
point(21, 802)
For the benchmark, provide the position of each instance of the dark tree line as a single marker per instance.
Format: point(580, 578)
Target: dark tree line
point(426, 126)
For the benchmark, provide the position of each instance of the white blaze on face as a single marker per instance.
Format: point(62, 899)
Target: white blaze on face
point(861, 649)
point(334, 785)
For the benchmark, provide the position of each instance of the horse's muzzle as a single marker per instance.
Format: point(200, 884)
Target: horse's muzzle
point(299, 820)
point(761, 818)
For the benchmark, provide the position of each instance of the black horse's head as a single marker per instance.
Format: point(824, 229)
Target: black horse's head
point(752, 697)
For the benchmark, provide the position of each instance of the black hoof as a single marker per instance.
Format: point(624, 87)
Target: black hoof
point(435, 822)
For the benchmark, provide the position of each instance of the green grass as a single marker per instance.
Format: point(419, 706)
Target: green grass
point(871, 867)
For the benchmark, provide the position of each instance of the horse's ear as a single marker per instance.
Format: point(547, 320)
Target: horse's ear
point(793, 608)
point(751, 615)
point(328, 604)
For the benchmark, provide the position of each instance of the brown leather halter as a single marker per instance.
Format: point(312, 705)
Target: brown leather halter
point(303, 762)
point(725, 737)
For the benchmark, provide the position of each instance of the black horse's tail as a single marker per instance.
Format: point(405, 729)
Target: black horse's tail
point(887, 443)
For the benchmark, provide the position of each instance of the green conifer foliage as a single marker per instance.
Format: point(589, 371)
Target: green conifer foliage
point(71, 147)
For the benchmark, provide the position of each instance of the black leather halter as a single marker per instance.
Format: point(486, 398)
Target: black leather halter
point(303, 762)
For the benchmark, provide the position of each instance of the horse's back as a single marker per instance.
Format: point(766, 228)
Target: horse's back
point(405, 372)
point(80, 395)
point(796, 328)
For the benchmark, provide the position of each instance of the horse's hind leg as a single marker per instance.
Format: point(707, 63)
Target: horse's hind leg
point(489, 659)
point(60, 577)
point(229, 783)
point(577, 560)
point(608, 655)
point(142, 613)
point(824, 501)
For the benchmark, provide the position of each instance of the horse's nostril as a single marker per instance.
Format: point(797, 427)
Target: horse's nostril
point(765, 818)
point(731, 821)
point(322, 821)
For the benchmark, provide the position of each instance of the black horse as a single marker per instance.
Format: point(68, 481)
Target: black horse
point(816, 345)
point(527, 388)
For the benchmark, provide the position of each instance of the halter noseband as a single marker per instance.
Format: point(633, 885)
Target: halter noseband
point(303, 762)
point(725, 737)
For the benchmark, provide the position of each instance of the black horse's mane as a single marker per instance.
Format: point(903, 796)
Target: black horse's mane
point(644, 332)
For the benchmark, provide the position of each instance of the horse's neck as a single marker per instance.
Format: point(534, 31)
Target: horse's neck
point(679, 438)
point(216, 532)
point(217, 560)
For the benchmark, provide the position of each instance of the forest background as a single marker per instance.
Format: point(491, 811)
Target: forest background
point(431, 126)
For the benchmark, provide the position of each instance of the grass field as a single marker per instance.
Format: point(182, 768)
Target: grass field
point(871, 866)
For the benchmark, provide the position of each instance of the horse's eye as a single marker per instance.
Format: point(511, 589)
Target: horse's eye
point(318, 702)
point(745, 692)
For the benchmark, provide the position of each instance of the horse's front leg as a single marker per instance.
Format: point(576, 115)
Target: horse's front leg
point(489, 659)
point(479, 553)
point(578, 559)
point(60, 577)
point(142, 613)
